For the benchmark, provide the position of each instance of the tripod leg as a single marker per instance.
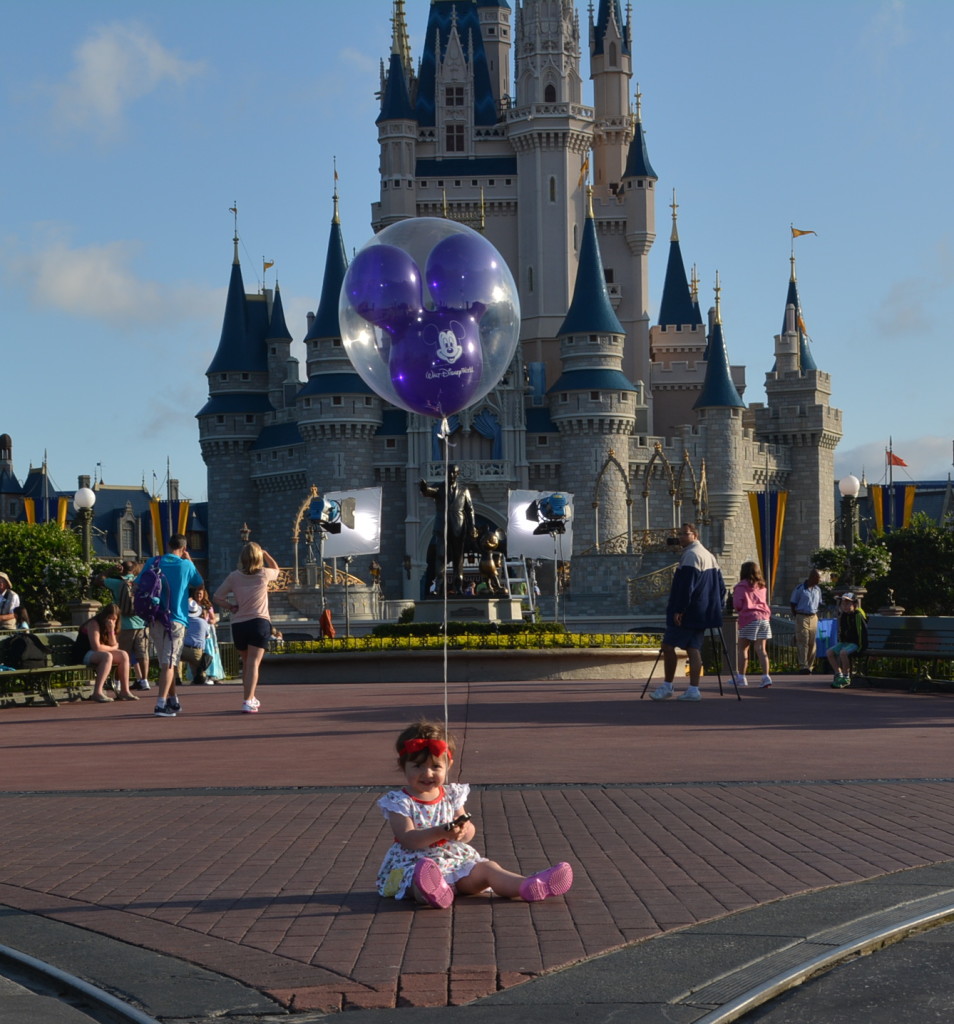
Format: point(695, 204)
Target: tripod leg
point(650, 676)
point(712, 637)
point(728, 661)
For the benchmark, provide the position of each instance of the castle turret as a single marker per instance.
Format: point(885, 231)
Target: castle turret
point(338, 413)
point(798, 415)
point(282, 366)
point(720, 406)
point(611, 67)
point(593, 404)
point(494, 18)
point(233, 417)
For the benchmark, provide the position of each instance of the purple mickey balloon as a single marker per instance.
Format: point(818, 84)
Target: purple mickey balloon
point(384, 285)
point(436, 362)
point(463, 270)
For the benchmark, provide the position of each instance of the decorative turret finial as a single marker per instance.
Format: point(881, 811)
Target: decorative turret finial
point(400, 43)
point(718, 294)
point(234, 211)
point(639, 104)
point(334, 218)
point(674, 237)
point(589, 202)
point(694, 284)
point(791, 260)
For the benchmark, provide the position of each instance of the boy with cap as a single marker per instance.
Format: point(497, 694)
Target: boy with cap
point(852, 637)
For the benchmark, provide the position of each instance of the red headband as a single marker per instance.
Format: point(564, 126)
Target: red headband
point(437, 748)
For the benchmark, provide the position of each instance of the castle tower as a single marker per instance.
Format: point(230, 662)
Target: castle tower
point(594, 406)
point(720, 425)
point(637, 192)
point(611, 67)
point(233, 417)
point(494, 18)
point(283, 382)
point(798, 416)
point(338, 414)
point(397, 129)
point(550, 132)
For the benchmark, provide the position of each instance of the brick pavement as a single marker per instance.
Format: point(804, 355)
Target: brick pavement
point(249, 844)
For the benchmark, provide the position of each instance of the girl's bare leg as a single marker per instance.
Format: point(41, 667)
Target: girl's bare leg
point(488, 874)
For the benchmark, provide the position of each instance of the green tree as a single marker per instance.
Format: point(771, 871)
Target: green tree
point(856, 568)
point(44, 566)
point(922, 568)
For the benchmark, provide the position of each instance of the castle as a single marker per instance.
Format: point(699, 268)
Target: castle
point(643, 422)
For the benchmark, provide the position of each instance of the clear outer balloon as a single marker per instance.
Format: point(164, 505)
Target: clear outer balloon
point(429, 315)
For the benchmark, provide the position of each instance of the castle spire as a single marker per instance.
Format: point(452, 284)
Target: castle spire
point(806, 360)
point(718, 389)
point(591, 311)
point(325, 324)
point(677, 308)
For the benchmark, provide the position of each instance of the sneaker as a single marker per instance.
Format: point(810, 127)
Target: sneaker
point(840, 682)
point(250, 707)
point(173, 702)
point(663, 692)
point(164, 712)
point(766, 681)
point(741, 681)
point(691, 694)
point(139, 684)
point(554, 881)
point(429, 882)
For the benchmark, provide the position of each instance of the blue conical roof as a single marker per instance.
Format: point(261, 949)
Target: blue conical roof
point(637, 160)
point(241, 344)
point(718, 389)
point(806, 361)
point(277, 330)
point(395, 102)
point(590, 311)
point(677, 308)
point(325, 324)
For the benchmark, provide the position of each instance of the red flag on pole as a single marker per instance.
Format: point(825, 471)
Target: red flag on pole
point(895, 460)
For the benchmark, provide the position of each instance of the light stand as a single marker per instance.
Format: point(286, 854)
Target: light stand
point(848, 487)
point(83, 501)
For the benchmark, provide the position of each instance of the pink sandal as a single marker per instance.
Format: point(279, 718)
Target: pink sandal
point(429, 882)
point(554, 881)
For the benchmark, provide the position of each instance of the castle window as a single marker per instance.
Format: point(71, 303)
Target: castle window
point(608, 275)
point(220, 419)
point(543, 441)
point(336, 343)
point(552, 189)
point(289, 453)
point(530, 279)
point(223, 376)
point(454, 139)
point(454, 96)
point(274, 350)
point(492, 181)
point(389, 442)
point(625, 396)
point(440, 183)
point(549, 94)
point(594, 396)
point(246, 376)
point(473, 182)
point(307, 403)
point(368, 399)
point(274, 456)
point(249, 419)
point(564, 397)
point(612, 55)
point(337, 400)
point(491, 31)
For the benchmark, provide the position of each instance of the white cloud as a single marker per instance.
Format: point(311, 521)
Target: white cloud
point(886, 32)
point(98, 282)
point(117, 65)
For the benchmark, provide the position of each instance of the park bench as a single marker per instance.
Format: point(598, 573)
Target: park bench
point(923, 645)
point(59, 681)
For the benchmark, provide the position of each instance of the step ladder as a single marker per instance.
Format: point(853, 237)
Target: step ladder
point(520, 583)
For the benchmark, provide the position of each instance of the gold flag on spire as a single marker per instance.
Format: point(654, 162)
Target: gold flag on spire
point(268, 263)
point(584, 171)
point(796, 233)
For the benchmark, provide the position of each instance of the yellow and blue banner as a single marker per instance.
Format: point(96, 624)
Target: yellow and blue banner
point(168, 517)
point(892, 506)
point(768, 521)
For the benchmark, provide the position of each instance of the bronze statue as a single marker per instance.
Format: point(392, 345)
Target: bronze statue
point(456, 508)
point(491, 561)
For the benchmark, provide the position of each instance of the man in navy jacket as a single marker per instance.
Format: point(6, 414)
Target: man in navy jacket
point(695, 604)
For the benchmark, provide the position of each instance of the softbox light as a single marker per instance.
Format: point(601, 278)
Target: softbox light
point(527, 511)
point(358, 518)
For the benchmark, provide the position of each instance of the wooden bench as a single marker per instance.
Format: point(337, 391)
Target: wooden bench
point(36, 685)
point(923, 644)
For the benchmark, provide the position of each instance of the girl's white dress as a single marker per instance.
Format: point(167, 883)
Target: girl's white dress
point(456, 860)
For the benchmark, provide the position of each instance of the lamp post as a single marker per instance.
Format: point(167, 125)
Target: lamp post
point(83, 501)
point(848, 487)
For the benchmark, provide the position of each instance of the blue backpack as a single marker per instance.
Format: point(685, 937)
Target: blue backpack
point(148, 601)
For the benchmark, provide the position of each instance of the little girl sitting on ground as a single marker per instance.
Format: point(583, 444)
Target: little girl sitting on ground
point(430, 858)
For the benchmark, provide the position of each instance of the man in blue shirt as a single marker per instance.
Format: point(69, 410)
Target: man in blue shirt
point(179, 574)
point(805, 602)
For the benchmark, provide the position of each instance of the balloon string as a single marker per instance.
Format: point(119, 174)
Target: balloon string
point(444, 434)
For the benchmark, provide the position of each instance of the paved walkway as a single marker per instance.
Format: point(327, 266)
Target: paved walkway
point(248, 845)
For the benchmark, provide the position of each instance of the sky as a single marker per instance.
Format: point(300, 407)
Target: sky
point(130, 128)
